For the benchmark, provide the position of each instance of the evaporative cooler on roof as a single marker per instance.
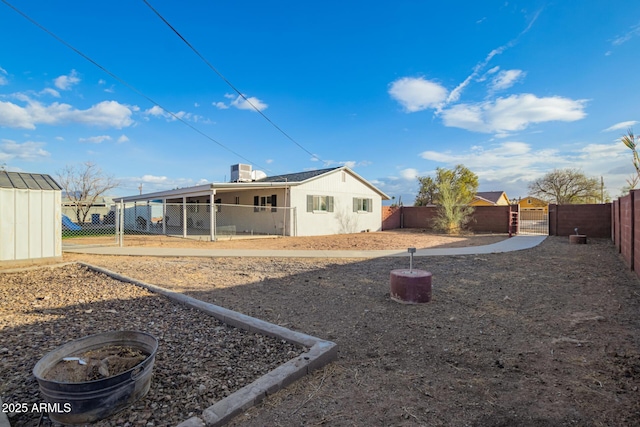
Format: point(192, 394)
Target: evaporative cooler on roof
point(241, 173)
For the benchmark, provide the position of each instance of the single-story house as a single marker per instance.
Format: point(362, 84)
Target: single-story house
point(98, 210)
point(490, 198)
point(533, 203)
point(30, 218)
point(318, 202)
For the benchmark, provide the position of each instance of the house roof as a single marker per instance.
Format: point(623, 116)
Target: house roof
point(296, 177)
point(27, 181)
point(491, 196)
point(276, 181)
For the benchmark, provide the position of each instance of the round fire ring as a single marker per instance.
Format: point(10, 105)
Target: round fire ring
point(578, 239)
point(410, 286)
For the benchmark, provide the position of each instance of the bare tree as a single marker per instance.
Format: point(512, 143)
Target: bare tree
point(566, 186)
point(84, 185)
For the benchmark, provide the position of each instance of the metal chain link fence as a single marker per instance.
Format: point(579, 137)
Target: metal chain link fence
point(191, 220)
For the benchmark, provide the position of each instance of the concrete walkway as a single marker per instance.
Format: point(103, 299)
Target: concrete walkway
point(508, 245)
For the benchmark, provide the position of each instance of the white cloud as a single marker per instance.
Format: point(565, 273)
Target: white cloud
point(409, 174)
point(51, 92)
point(621, 125)
point(102, 82)
point(251, 103)
point(3, 79)
point(157, 111)
point(122, 138)
point(268, 161)
point(153, 179)
point(417, 94)
point(633, 31)
point(513, 113)
point(27, 151)
point(351, 164)
point(229, 95)
point(220, 105)
point(103, 114)
point(66, 82)
point(510, 166)
point(506, 79)
point(95, 139)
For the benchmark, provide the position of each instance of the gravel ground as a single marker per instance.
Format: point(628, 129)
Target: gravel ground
point(549, 336)
point(199, 360)
point(544, 337)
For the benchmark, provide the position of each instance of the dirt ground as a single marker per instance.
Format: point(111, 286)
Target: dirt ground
point(548, 336)
point(395, 239)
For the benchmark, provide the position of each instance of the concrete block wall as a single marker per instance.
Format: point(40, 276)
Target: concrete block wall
point(491, 219)
point(418, 216)
point(391, 217)
point(592, 220)
point(486, 219)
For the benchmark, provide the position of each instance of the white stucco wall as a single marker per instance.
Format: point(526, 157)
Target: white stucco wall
point(343, 187)
point(30, 224)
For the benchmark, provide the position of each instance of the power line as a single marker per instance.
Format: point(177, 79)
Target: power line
point(228, 82)
point(175, 116)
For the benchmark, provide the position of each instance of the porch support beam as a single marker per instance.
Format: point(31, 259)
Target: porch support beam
point(184, 216)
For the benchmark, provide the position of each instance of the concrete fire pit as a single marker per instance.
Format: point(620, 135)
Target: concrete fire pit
point(410, 286)
point(578, 239)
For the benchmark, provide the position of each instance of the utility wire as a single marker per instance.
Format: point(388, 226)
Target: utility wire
point(228, 82)
point(125, 83)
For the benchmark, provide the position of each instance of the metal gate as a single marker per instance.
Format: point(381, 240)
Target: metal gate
point(533, 221)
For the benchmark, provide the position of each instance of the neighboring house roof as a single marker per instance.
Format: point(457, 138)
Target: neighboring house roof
point(27, 181)
point(534, 201)
point(100, 201)
point(277, 181)
point(492, 197)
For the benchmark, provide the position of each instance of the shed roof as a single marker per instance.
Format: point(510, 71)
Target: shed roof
point(28, 181)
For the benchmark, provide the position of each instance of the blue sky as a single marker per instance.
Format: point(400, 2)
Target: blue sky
point(394, 90)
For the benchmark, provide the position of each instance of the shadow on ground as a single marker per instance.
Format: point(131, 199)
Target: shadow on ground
point(546, 336)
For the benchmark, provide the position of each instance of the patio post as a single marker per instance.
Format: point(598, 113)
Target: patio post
point(184, 216)
point(212, 216)
point(164, 216)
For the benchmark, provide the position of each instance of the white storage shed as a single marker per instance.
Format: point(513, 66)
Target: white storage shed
point(30, 218)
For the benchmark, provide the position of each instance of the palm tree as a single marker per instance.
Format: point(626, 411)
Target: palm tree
point(632, 143)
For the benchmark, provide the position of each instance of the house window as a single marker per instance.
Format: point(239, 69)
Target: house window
point(319, 203)
point(218, 205)
point(344, 176)
point(261, 203)
point(362, 205)
point(237, 200)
